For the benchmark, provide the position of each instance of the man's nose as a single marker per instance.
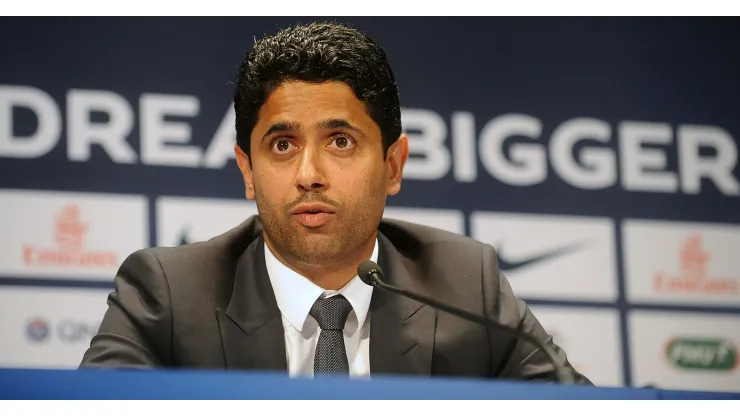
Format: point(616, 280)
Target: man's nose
point(310, 175)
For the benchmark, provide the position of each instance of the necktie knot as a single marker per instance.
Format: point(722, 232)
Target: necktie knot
point(331, 313)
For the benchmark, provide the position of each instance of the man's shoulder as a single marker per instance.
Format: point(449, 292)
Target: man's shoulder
point(224, 248)
point(434, 258)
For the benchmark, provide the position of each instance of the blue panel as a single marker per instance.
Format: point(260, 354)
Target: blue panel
point(146, 384)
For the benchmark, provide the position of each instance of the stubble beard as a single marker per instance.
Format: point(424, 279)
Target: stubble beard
point(318, 247)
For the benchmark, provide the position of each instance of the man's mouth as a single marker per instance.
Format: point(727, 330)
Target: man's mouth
point(313, 208)
point(313, 215)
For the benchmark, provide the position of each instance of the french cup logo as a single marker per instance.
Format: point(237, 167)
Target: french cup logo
point(707, 354)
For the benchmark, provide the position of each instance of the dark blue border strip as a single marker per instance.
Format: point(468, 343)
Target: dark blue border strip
point(59, 283)
point(683, 308)
point(635, 306)
point(569, 303)
point(622, 303)
point(152, 218)
point(103, 284)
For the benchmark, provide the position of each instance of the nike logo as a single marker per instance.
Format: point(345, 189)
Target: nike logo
point(184, 237)
point(506, 265)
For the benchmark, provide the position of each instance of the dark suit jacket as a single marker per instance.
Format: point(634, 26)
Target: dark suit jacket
point(211, 305)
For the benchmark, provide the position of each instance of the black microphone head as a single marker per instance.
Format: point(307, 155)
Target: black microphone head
point(368, 271)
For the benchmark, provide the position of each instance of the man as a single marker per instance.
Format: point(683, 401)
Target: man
point(320, 147)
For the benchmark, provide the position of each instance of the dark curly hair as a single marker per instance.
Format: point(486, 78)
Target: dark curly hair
point(318, 52)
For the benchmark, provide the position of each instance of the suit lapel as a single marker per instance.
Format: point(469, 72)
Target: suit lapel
point(251, 326)
point(401, 329)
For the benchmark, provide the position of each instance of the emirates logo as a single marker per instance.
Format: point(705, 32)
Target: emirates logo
point(693, 276)
point(69, 234)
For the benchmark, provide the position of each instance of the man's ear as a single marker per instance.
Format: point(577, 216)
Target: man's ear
point(396, 158)
point(243, 161)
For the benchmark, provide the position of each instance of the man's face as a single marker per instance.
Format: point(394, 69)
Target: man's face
point(318, 173)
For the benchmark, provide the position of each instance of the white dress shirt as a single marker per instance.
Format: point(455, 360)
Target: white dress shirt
point(296, 295)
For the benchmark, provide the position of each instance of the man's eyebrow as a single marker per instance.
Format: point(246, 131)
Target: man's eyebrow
point(337, 123)
point(282, 126)
point(333, 123)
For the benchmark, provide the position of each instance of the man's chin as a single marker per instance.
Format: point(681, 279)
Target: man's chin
point(320, 240)
point(318, 253)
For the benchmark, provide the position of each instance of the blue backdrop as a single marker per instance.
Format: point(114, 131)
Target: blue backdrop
point(556, 136)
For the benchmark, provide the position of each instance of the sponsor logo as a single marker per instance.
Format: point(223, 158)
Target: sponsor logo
point(693, 276)
point(70, 251)
point(184, 237)
point(707, 354)
point(507, 265)
point(37, 330)
point(68, 331)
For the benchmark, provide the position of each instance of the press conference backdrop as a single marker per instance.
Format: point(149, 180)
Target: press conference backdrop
point(599, 156)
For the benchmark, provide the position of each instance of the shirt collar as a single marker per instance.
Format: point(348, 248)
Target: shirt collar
point(296, 294)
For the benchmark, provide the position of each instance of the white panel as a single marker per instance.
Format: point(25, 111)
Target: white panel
point(686, 351)
point(48, 328)
point(591, 339)
point(188, 220)
point(448, 220)
point(552, 256)
point(682, 263)
point(69, 235)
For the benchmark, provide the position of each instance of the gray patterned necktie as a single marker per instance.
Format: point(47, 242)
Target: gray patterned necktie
point(331, 355)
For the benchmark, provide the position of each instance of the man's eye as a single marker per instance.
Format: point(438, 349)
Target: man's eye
point(281, 146)
point(343, 142)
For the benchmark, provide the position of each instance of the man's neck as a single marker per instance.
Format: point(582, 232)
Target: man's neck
point(328, 276)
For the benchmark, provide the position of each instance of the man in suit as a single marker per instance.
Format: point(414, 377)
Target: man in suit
point(320, 147)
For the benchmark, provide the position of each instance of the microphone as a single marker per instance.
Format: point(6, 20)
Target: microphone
point(371, 274)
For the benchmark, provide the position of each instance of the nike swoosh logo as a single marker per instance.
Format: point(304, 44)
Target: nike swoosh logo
point(505, 265)
point(184, 237)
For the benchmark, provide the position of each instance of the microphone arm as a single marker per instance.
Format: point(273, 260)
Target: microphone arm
point(372, 278)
